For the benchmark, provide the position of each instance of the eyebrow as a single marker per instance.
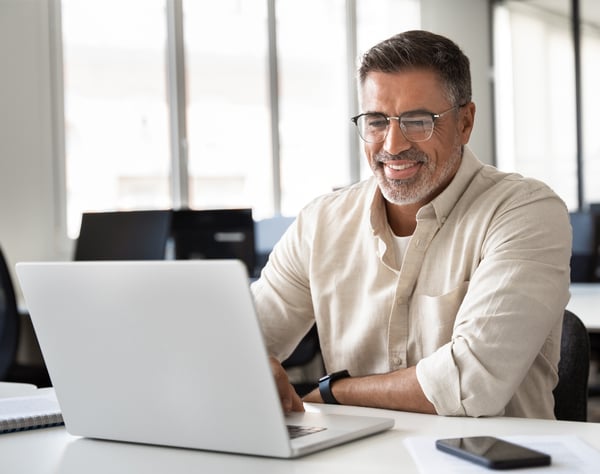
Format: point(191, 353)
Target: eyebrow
point(413, 111)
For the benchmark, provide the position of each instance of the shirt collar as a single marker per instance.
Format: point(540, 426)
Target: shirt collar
point(444, 202)
point(378, 214)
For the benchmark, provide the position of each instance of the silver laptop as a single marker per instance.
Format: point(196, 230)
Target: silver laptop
point(167, 353)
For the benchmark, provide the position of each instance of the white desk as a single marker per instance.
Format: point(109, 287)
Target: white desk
point(585, 303)
point(54, 451)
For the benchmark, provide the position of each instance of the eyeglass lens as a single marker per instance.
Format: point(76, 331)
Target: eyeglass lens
point(417, 127)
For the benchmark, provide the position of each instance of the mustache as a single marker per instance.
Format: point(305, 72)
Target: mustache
point(408, 155)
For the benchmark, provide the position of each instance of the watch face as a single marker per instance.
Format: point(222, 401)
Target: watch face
point(342, 374)
point(332, 377)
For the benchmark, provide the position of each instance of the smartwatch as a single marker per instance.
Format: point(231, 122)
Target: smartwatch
point(325, 385)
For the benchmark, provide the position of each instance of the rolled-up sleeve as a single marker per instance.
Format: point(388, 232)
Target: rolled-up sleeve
point(506, 337)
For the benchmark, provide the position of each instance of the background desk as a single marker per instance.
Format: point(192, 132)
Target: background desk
point(585, 303)
point(54, 451)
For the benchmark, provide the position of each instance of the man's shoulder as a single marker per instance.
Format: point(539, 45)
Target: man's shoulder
point(514, 186)
point(345, 199)
point(342, 211)
point(479, 178)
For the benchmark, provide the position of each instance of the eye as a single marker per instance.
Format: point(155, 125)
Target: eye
point(376, 121)
point(417, 122)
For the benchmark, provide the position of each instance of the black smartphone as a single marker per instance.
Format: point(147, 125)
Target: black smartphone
point(492, 452)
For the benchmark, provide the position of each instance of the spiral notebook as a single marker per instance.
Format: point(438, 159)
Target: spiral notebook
point(40, 409)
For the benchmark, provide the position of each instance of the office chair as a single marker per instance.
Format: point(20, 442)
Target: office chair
point(571, 393)
point(9, 320)
point(10, 369)
point(302, 357)
point(123, 235)
point(594, 209)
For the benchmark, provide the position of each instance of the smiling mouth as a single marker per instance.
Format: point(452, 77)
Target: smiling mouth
point(405, 170)
point(400, 167)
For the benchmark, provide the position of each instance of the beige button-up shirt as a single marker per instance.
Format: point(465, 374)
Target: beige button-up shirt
point(476, 305)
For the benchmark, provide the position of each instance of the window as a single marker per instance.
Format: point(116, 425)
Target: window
point(116, 117)
point(543, 130)
point(535, 95)
point(380, 19)
point(313, 100)
point(590, 78)
point(117, 129)
point(228, 118)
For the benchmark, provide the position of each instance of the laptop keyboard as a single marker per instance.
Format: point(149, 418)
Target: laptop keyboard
point(296, 431)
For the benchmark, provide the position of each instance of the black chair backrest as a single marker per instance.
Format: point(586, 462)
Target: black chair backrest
point(571, 393)
point(123, 235)
point(9, 320)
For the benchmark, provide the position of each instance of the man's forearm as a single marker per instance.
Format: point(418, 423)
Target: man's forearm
point(398, 390)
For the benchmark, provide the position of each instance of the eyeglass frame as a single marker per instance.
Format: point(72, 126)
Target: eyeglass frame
point(434, 117)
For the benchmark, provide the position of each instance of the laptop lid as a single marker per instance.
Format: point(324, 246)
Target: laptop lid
point(165, 352)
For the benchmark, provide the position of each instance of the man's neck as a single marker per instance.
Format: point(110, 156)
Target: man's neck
point(402, 219)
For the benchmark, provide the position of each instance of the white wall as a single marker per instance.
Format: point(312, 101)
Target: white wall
point(26, 145)
point(28, 200)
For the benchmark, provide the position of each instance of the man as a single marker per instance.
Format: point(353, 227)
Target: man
point(438, 285)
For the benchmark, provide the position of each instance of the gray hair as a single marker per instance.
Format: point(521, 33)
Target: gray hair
point(420, 49)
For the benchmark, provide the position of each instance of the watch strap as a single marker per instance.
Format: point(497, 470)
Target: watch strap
point(325, 383)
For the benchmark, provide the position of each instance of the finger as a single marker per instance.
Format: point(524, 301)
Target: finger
point(290, 401)
point(297, 404)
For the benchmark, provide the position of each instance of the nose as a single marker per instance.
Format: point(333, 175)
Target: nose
point(395, 141)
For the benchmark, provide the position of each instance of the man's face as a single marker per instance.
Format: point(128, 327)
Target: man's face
point(414, 173)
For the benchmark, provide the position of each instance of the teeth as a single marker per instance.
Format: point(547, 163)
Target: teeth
point(400, 167)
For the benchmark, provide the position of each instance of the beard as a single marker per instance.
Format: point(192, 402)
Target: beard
point(431, 179)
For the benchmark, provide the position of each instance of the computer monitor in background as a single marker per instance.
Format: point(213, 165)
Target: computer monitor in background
point(214, 234)
point(584, 253)
point(123, 235)
point(594, 207)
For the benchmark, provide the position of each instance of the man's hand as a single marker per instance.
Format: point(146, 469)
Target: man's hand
point(313, 397)
point(290, 401)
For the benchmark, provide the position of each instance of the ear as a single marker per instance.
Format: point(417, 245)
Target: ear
point(466, 121)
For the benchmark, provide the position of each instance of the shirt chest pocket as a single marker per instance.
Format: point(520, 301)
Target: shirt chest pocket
point(432, 318)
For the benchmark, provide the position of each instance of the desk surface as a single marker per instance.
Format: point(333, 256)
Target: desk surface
point(54, 451)
point(585, 303)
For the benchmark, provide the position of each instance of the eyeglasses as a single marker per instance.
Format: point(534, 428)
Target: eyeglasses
point(373, 127)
